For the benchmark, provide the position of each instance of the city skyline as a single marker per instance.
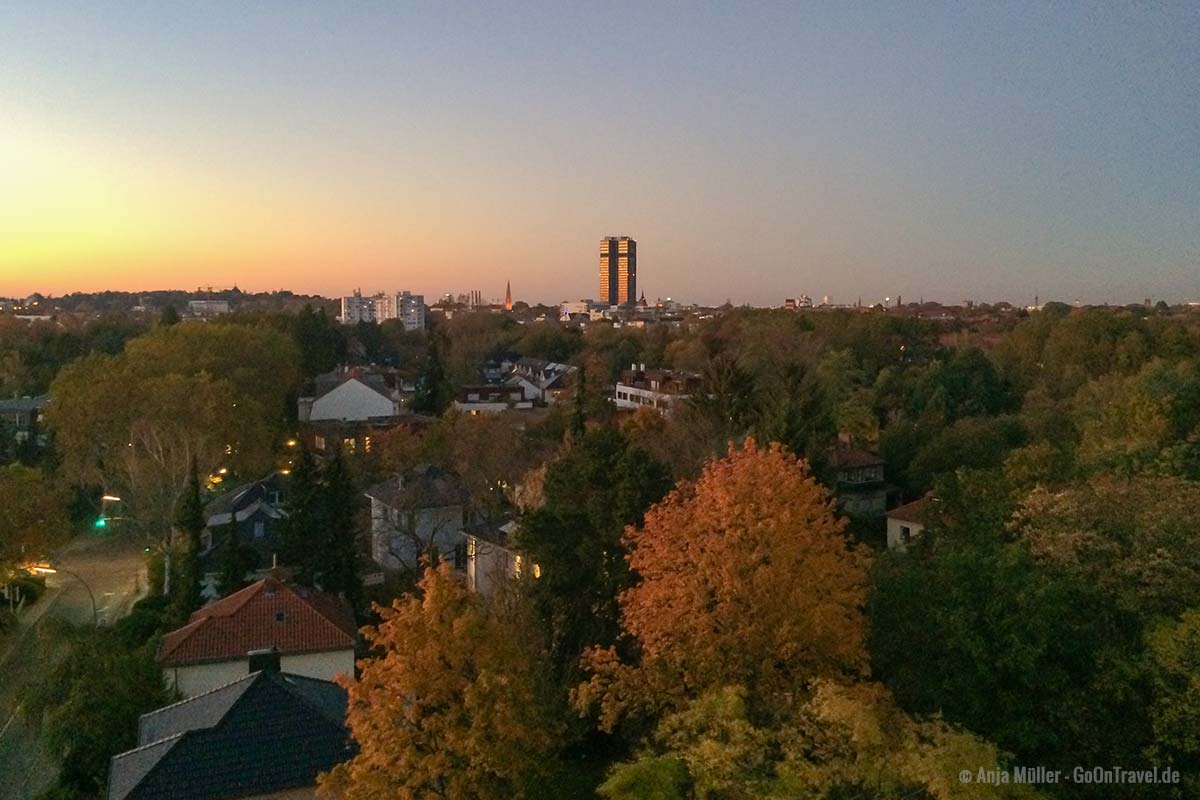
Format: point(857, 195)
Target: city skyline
point(940, 152)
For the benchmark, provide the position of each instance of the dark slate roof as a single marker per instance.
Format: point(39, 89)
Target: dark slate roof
point(25, 404)
point(267, 732)
point(499, 532)
point(852, 457)
point(425, 486)
point(245, 495)
point(326, 383)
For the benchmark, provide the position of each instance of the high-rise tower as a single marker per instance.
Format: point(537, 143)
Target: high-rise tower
point(618, 270)
point(508, 297)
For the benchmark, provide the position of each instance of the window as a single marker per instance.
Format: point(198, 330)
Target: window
point(905, 534)
point(349, 445)
point(319, 442)
point(281, 616)
point(260, 529)
point(206, 541)
point(367, 444)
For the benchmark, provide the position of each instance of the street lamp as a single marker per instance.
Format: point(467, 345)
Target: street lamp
point(102, 520)
point(46, 569)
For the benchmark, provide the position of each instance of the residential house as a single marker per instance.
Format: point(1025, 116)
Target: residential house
point(267, 734)
point(258, 514)
point(416, 514)
point(542, 381)
point(499, 367)
point(350, 395)
point(491, 556)
point(351, 407)
point(314, 634)
point(860, 488)
point(23, 416)
point(660, 389)
point(907, 521)
point(208, 308)
point(477, 400)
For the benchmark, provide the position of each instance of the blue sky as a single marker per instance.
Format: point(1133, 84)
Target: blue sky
point(756, 151)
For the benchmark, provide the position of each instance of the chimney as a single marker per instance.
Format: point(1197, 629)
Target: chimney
point(263, 660)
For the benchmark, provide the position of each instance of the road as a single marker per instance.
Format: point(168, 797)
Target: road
point(114, 570)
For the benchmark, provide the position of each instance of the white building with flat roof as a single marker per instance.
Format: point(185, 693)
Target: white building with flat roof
point(407, 307)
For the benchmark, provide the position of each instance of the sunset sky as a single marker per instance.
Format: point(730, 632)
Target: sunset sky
point(755, 151)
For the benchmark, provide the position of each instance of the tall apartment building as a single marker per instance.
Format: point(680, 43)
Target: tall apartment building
point(410, 308)
point(618, 270)
point(404, 306)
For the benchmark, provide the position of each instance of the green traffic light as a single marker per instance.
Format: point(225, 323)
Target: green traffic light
point(101, 523)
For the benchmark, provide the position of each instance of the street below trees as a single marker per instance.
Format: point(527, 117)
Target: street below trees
point(114, 571)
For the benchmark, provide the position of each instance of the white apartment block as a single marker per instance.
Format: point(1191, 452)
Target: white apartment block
point(407, 307)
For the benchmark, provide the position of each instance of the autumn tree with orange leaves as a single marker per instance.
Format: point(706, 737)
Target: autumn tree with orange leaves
point(746, 577)
point(455, 707)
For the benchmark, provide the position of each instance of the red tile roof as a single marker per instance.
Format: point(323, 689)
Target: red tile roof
point(270, 613)
point(916, 512)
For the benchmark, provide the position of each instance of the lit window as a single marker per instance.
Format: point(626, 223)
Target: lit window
point(349, 445)
point(367, 444)
point(537, 570)
point(320, 442)
point(517, 566)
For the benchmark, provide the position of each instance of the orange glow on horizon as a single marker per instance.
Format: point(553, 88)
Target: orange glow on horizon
point(103, 217)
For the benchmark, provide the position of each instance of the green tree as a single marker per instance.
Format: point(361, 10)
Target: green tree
point(591, 492)
point(336, 568)
point(969, 624)
point(1137, 541)
point(304, 522)
point(169, 316)
point(190, 522)
point(433, 392)
point(318, 340)
point(134, 423)
point(91, 691)
point(1174, 651)
point(33, 517)
point(236, 559)
point(320, 539)
point(579, 405)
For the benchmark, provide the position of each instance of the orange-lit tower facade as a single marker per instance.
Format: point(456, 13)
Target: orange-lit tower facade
point(508, 296)
point(618, 270)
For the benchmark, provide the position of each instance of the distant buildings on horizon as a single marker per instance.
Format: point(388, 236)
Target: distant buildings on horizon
point(404, 306)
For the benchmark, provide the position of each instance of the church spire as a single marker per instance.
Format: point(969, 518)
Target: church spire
point(508, 297)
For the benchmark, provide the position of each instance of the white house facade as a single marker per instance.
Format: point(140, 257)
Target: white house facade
point(352, 401)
